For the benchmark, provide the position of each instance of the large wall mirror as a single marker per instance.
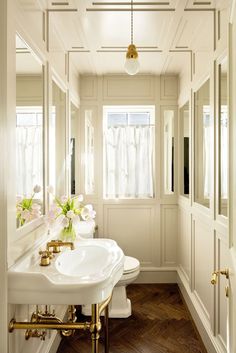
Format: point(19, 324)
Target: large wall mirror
point(168, 133)
point(74, 144)
point(29, 134)
point(223, 138)
point(203, 145)
point(185, 135)
point(57, 141)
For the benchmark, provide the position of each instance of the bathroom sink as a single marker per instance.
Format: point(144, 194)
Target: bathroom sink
point(85, 275)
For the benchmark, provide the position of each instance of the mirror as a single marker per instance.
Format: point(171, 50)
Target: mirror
point(29, 134)
point(74, 137)
point(185, 134)
point(223, 139)
point(89, 153)
point(57, 141)
point(168, 132)
point(203, 145)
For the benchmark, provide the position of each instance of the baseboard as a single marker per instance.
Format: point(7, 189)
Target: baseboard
point(202, 324)
point(157, 275)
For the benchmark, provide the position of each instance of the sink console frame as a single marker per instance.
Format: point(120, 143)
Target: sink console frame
point(67, 328)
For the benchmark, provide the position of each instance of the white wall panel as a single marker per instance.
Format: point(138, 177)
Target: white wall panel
point(169, 87)
point(126, 87)
point(184, 242)
point(132, 227)
point(88, 88)
point(203, 265)
point(169, 234)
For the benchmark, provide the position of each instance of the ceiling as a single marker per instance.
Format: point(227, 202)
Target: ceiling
point(166, 33)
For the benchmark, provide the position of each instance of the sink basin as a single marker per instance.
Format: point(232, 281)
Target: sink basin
point(85, 275)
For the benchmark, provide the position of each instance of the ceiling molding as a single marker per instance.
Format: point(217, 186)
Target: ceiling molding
point(106, 3)
point(199, 9)
point(123, 9)
point(125, 47)
point(125, 50)
point(56, 3)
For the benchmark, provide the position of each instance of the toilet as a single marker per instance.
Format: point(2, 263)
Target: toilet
point(120, 305)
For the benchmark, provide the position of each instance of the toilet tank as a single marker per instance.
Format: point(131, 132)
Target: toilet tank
point(85, 229)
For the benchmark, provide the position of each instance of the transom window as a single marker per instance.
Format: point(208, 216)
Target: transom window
point(129, 151)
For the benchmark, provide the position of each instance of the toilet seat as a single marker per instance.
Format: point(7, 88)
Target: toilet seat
point(131, 265)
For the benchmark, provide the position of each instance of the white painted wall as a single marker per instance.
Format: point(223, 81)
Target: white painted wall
point(146, 229)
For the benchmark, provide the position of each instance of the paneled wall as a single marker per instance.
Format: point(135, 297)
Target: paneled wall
point(145, 229)
point(203, 243)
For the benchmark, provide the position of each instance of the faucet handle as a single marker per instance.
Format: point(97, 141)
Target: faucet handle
point(46, 256)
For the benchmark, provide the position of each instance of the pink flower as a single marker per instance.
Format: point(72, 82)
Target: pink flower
point(37, 189)
point(80, 198)
point(63, 199)
point(25, 215)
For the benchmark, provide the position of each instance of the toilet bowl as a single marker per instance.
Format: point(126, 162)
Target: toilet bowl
point(120, 306)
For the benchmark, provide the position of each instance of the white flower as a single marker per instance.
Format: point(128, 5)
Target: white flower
point(75, 219)
point(80, 198)
point(37, 189)
point(88, 213)
point(50, 189)
point(65, 222)
point(70, 214)
point(63, 198)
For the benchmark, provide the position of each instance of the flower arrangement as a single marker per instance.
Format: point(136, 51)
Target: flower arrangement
point(67, 212)
point(27, 209)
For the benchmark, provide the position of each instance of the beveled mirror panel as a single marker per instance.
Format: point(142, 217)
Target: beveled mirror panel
point(203, 145)
point(185, 137)
point(29, 134)
point(168, 126)
point(89, 153)
point(74, 137)
point(223, 138)
point(57, 141)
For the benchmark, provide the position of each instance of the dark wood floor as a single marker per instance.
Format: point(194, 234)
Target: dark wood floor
point(160, 323)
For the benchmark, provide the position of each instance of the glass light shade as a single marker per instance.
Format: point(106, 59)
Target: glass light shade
point(132, 66)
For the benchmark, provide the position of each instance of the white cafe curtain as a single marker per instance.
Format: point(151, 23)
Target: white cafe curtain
point(129, 162)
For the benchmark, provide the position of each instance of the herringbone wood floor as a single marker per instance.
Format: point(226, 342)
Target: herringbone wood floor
point(160, 323)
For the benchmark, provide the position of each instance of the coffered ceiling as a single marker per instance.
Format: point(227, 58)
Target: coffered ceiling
point(167, 33)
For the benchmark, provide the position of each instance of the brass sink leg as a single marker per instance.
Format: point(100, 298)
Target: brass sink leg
point(106, 332)
point(95, 327)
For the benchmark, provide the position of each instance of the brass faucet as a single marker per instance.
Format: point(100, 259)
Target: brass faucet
point(56, 244)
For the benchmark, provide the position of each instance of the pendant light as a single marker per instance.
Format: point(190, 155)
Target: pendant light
point(132, 63)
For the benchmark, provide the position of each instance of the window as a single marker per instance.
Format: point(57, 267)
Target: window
point(129, 145)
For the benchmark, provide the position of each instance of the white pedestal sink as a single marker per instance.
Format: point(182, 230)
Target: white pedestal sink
point(85, 275)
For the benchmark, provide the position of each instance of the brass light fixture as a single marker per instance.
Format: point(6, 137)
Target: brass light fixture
point(132, 63)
